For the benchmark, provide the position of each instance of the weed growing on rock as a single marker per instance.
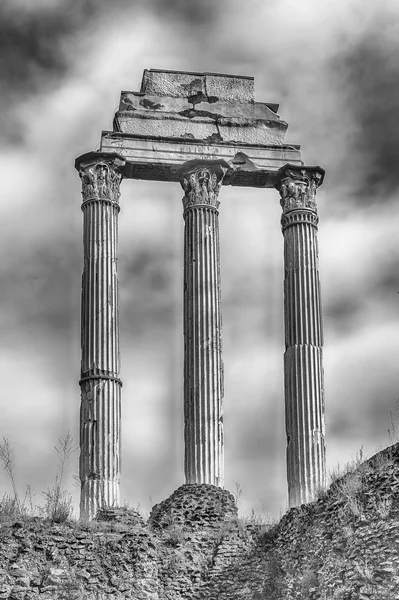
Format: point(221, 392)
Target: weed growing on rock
point(351, 466)
point(175, 563)
point(270, 535)
point(9, 508)
point(320, 492)
point(309, 582)
point(59, 505)
point(393, 430)
point(174, 535)
point(274, 576)
point(7, 459)
point(238, 494)
point(382, 507)
point(230, 527)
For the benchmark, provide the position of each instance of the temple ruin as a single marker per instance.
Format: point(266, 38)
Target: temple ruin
point(204, 131)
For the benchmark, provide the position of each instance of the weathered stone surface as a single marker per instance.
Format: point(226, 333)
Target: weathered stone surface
point(100, 413)
point(203, 366)
point(212, 86)
point(160, 159)
point(121, 515)
point(136, 101)
point(184, 108)
point(194, 506)
point(303, 362)
point(178, 117)
point(203, 128)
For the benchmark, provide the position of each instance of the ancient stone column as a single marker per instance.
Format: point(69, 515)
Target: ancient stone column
point(203, 366)
point(303, 359)
point(100, 413)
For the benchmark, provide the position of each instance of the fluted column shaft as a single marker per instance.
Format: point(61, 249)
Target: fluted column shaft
point(100, 413)
point(203, 366)
point(303, 360)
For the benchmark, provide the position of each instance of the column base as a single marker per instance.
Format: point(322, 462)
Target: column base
point(97, 493)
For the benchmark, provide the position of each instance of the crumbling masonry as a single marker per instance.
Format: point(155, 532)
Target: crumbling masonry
point(204, 131)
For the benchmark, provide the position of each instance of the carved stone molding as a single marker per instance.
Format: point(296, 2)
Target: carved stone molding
point(297, 187)
point(101, 175)
point(296, 217)
point(201, 182)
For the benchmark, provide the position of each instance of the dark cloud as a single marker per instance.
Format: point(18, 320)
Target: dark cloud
point(195, 14)
point(33, 54)
point(342, 313)
point(376, 398)
point(40, 298)
point(368, 74)
point(387, 282)
point(152, 267)
point(38, 287)
point(35, 43)
point(148, 301)
point(347, 306)
point(31, 42)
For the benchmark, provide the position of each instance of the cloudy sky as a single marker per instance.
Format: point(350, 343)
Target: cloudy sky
point(333, 68)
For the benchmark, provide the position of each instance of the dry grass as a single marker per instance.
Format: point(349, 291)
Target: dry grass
point(308, 581)
point(58, 502)
point(173, 535)
point(9, 508)
point(7, 459)
point(58, 506)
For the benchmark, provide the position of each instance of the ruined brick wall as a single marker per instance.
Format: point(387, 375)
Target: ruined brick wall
point(121, 556)
point(345, 546)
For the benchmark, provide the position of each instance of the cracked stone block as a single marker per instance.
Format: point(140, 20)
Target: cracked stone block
point(230, 88)
point(180, 116)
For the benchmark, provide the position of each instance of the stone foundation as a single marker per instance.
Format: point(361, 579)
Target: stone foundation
point(195, 506)
point(343, 547)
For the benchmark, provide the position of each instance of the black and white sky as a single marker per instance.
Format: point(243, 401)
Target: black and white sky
point(333, 68)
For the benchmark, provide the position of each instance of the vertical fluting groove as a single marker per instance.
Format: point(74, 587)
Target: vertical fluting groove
point(100, 384)
point(196, 358)
point(211, 345)
point(108, 326)
point(202, 298)
point(196, 366)
point(189, 326)
point(206, 399)
point(188, 421)
point(187, 290)
point(219, 359)
point(303, 372)
point(194, 409)
point(202, 373)
point(212, 336)
point(303, 362)
point(215, 333)
point(212, 349)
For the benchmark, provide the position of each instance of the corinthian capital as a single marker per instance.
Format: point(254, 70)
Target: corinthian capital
point(297, 186)
point(101, 174)
point(201, 182)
